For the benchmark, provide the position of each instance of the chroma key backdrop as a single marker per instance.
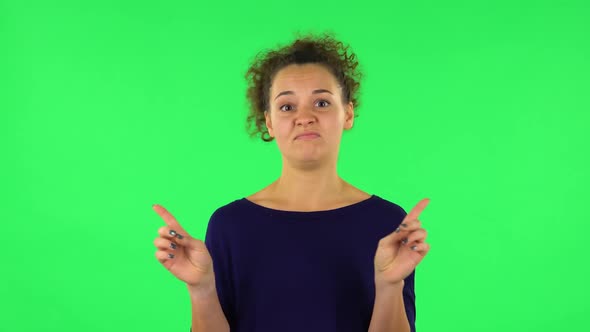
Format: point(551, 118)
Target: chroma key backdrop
point(108, 107)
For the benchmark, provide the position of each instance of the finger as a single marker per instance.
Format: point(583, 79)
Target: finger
point(416, 236)
point(402, 231)
point(169, 219)
point(421, 247)
point(164, 244)
point(172, 234)
point(409, 225)
point(416, 210)
point(164, 256)
point(396, 236)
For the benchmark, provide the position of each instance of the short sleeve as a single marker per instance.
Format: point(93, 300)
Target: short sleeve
point(218, 246)
point(409, 294)
point(410, 300)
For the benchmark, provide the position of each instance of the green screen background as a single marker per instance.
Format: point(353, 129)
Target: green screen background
point(108, 107)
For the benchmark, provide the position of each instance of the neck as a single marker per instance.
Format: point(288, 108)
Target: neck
point(309, 187)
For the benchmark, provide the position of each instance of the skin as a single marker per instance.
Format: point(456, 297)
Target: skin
point(308, 182)
point(309, 178)
point(401, 251)
point(309, 167)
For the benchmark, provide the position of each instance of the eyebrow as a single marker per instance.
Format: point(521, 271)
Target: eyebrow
point(313, 92)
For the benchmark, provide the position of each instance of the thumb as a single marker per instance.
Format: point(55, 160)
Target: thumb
point(192, 243)
point(393, 237)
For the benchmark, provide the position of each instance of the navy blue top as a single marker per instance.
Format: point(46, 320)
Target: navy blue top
point(285, 271)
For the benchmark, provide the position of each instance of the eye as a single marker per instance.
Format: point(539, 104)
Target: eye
point(325, 101)
point(320, 101)
point(281, 108)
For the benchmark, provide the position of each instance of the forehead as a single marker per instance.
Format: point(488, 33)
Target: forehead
point(312, 75)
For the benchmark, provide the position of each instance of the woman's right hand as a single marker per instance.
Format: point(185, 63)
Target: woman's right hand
point(191, 261)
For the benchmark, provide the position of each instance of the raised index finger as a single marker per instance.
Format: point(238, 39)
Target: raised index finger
point(168, 218)
point(416, 210)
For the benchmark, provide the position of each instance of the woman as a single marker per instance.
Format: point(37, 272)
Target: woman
point(309, 252)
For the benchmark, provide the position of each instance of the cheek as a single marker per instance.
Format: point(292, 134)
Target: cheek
point(282, 129)
point(283, 123)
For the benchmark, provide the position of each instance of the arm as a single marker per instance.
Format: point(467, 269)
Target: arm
point(207, 315)
point(389, 313)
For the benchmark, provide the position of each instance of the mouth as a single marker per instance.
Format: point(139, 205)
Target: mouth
point(307, 137)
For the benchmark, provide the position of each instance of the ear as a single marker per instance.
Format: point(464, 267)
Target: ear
point(268, 123)
point(349, 116)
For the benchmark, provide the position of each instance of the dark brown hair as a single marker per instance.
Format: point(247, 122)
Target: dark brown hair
point(324, 50)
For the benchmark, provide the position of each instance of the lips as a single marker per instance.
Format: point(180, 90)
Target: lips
point(307, 135)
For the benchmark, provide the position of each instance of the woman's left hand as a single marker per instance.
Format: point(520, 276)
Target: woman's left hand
point(394, 259)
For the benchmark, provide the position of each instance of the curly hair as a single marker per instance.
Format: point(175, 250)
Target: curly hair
point(323, 49)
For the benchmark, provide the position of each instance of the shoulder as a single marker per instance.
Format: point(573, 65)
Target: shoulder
point(221, 222)
point(228, 210)
point(388, 205)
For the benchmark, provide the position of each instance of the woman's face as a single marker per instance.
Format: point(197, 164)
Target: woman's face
point(307, 98)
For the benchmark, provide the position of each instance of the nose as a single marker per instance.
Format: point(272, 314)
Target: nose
point(305, 117)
